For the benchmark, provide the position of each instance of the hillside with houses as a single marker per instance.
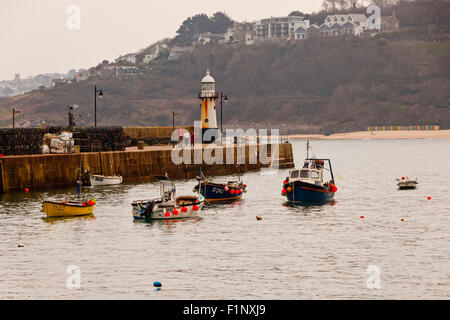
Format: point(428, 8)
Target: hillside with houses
point(328, 71)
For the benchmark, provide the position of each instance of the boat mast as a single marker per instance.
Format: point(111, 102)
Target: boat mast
point(307, 149)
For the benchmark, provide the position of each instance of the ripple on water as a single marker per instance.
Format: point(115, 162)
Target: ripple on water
point(294, 252)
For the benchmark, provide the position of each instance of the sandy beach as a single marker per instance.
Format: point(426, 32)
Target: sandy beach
point(401, 134)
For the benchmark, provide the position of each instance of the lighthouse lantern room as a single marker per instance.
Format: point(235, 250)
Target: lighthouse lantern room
point(208, 96)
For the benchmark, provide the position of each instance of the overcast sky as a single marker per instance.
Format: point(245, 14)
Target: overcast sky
point(35, 38)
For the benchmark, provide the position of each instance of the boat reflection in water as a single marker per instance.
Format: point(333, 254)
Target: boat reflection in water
point(54, 220)
point(305, 204)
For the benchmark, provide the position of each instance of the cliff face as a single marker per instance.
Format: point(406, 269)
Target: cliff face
point(316, 85)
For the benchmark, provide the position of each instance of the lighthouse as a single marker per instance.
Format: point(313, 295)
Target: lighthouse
point(208, 95)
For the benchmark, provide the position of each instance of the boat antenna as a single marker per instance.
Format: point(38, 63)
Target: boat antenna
point(307, 149)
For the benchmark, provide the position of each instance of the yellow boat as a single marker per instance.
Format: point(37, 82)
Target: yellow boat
point(66, 208)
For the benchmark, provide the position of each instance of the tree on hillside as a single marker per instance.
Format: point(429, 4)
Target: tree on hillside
point(200, 23)
point(220, 22)
point(296, 13)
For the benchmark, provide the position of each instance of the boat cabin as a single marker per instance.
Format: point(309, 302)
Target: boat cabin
point(313, 176)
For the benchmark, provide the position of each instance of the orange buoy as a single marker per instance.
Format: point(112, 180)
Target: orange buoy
point(258, 218)
point(289, 189)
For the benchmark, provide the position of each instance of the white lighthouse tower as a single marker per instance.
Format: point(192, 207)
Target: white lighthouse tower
point(208, 96)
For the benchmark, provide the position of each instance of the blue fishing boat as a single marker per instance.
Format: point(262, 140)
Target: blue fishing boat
point(307, 184)
point(216, 192)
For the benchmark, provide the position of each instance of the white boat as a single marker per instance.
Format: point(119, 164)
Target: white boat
point(100, 180)
point(168, 206)
point(406, 183)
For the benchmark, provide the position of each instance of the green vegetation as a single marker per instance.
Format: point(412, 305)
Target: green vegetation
point(200, 23)
point(315, 85)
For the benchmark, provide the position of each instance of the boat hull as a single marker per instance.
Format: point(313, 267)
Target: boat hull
point(98, 180)
point(305, 192)
point(60, 209)
point(160, 213)
point(215, 192)
point(405, 185)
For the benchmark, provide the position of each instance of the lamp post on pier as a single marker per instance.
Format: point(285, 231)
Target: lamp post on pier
point(14, 111)
point(222, 98)
point(100, 95)
point(173, 120)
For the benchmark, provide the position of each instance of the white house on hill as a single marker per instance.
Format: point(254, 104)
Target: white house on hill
point(359, 22)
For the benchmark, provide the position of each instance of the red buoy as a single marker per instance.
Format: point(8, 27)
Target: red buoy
point(183, 209)
point(26, 190)
point(403, 178)
point(283, 191)
point(231, 191)
point(334, 189)
point(428, 198)
point(175, 211)
point(362, 217)
point(195, 207)
point(258, 218)
point(285, 182)
point(245, 186)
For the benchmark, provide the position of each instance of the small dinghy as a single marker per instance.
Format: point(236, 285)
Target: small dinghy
point(215, 192)
point(405, 183)
point(68, 208)
point(100, 180)
point(307, 184)
point(168, 206)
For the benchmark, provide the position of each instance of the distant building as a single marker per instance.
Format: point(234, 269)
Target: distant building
point(203, 38)
point(60, 82)
point(348, 28)
point(390, 23)
point(152, 55)
point(359, 22)
point(108, 71)
point(324, 30)
point(300, 33)
point(82, 75)
point(313, 31)
point(228, 36)
point(336, 29)
point(175, 52)
point(127, 70)
point(244, 32)
point(128, 58)
point(279, 28)
point(87, 74)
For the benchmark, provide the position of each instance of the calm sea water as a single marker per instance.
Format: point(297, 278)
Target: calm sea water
point(302, 252)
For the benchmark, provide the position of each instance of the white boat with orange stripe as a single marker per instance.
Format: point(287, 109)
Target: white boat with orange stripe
point(168, 206)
